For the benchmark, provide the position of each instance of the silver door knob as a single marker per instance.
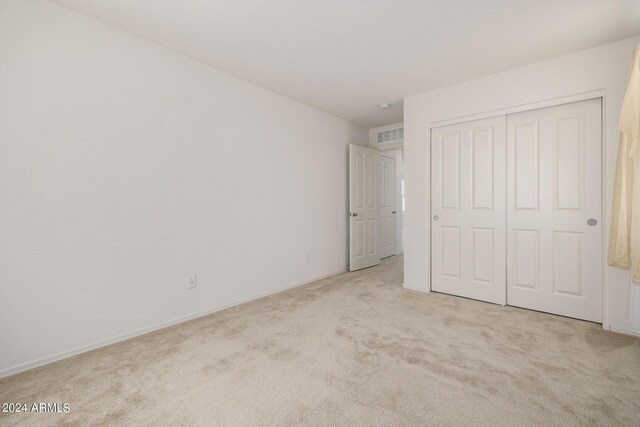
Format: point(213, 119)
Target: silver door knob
point(592, 222)
point(436, 217)
point(394, 212)
point(355, 214)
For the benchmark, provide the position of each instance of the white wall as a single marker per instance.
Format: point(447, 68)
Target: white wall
point(125, 167)
point(603, 68)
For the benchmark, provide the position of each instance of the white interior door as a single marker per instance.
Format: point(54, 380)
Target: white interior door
point(554, 210)
point(364, 211)
point(468, 210)
point(387, 190)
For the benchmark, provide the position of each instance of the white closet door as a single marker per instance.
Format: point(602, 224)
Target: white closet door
point(364, 211)
point(554, 243)
point(387, 190)
point(468, 210)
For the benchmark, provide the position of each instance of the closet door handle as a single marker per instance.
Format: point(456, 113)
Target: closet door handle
point(592, 222)
point(436, 217)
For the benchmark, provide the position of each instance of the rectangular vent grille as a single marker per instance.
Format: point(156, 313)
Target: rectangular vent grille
point(390, 135)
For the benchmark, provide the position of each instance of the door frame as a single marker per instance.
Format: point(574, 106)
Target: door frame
point(601, 93)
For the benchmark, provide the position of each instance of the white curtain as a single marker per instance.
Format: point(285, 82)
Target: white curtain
point(624, 242)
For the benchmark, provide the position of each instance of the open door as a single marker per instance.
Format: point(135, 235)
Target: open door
point(364, 211)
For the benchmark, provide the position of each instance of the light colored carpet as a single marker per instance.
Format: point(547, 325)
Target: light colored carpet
point(355, 349)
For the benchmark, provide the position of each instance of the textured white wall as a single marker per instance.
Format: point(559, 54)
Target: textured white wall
point(602, 68)
point(125, 167)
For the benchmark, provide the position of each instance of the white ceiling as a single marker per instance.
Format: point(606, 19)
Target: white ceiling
point(347, 56)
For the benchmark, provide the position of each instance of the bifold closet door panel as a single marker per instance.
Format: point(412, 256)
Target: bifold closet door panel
point(554, 208)
point(387, 199)
point(468, 222)
point(364, 212)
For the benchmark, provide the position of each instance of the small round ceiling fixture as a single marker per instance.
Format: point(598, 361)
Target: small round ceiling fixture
point(384, 106)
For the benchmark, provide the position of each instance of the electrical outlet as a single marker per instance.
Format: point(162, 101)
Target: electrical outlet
point(191, 281)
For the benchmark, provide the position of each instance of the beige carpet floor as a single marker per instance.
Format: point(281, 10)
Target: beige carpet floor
point(354, 349)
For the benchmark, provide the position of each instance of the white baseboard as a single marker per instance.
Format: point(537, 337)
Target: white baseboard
point(622, 331)
point(12, 370)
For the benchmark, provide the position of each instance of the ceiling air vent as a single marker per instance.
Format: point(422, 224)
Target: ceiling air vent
point(390, 135)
